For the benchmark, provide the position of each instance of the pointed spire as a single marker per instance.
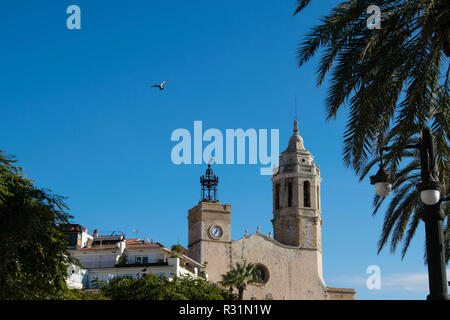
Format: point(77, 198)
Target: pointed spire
point(296, 141)
point(295, 107)
point(295, 127)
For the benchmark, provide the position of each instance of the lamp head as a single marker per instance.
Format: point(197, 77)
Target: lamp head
point(429, 192)
point(381, 182)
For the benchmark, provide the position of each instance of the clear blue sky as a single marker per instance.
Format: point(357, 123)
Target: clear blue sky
point(78, 112)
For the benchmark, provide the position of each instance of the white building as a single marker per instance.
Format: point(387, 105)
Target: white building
point(106, 257)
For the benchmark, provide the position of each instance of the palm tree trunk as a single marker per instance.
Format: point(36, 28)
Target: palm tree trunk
point(241, 293)
point(447, 42)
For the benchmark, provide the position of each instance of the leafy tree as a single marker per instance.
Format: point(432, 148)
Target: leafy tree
point(394, 81)
point(239, 277)
point(123, 259)
point(75, 294)
point(33, 256)
point(177, 248)
point(153, 287)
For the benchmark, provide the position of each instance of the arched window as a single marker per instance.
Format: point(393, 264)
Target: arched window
point(306, 194)
point(277, 196)
point(290, 195)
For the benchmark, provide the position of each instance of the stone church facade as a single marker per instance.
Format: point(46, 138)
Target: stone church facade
point(290, 261)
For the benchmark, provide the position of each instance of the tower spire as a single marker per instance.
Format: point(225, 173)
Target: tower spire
point(295, 107)
point(296, 127)
point(296, 141)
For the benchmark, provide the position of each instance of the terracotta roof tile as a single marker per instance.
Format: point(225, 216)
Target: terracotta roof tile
point(100, 248)
point(137, 243)
point(145, 245)
point(130, 243)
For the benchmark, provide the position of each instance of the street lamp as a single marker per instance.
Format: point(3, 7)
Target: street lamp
point(381, 180)
point(433, 215)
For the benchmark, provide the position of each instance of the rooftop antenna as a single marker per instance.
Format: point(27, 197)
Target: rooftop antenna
point(135, 231)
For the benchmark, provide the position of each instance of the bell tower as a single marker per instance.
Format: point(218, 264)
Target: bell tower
point(296, 197)
point(209, 229)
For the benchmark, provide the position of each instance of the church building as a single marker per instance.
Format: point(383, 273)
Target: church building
point(289, 262)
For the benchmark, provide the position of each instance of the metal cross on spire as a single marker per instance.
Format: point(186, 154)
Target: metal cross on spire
point(295, 107)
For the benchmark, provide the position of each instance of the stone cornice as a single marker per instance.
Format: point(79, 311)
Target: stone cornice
point(302, 174)
point(279, 244)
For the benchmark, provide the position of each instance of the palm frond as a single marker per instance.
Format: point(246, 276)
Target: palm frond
point(393, 82)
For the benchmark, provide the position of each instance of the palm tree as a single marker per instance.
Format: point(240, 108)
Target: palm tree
point(394, 81)
point(240, 277)
point(404, 211)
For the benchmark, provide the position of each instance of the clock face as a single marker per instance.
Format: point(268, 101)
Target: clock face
point(216, 231)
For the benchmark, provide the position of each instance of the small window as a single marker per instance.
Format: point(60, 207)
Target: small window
point(138, 260)
point(144, 259)
point(277, 196)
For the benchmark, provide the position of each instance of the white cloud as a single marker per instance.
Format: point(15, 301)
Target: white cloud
point(417, 282)
point(412, 282)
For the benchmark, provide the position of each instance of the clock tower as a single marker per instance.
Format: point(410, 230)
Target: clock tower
point(209, 224)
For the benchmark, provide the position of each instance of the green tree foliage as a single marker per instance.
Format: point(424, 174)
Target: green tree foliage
point(33, 256)
point(393, 81)
point(177, 248)
point(153, 287)
point(123, 259)
point(240, 276)
point(75, 294)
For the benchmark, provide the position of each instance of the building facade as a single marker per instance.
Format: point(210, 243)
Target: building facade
point(289, 262)
point(102, 258)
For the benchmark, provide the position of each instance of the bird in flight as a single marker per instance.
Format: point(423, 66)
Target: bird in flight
point(160, 86)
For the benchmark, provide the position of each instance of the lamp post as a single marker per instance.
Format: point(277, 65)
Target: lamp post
point(433, 215)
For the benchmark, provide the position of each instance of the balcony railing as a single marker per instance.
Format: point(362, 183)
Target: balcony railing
point(150, 264)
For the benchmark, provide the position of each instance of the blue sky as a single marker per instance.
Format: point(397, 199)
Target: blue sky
point(78, 112)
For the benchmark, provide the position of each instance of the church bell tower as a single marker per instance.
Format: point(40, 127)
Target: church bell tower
point(296, 197)
point(209, 229)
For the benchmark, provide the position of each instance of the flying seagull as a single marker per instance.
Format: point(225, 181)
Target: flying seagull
point(160, 86)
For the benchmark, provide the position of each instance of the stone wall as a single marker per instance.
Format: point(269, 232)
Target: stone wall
point(294, 274)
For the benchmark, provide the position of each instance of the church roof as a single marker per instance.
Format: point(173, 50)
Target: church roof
point(296, 141)
point(270, 239)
